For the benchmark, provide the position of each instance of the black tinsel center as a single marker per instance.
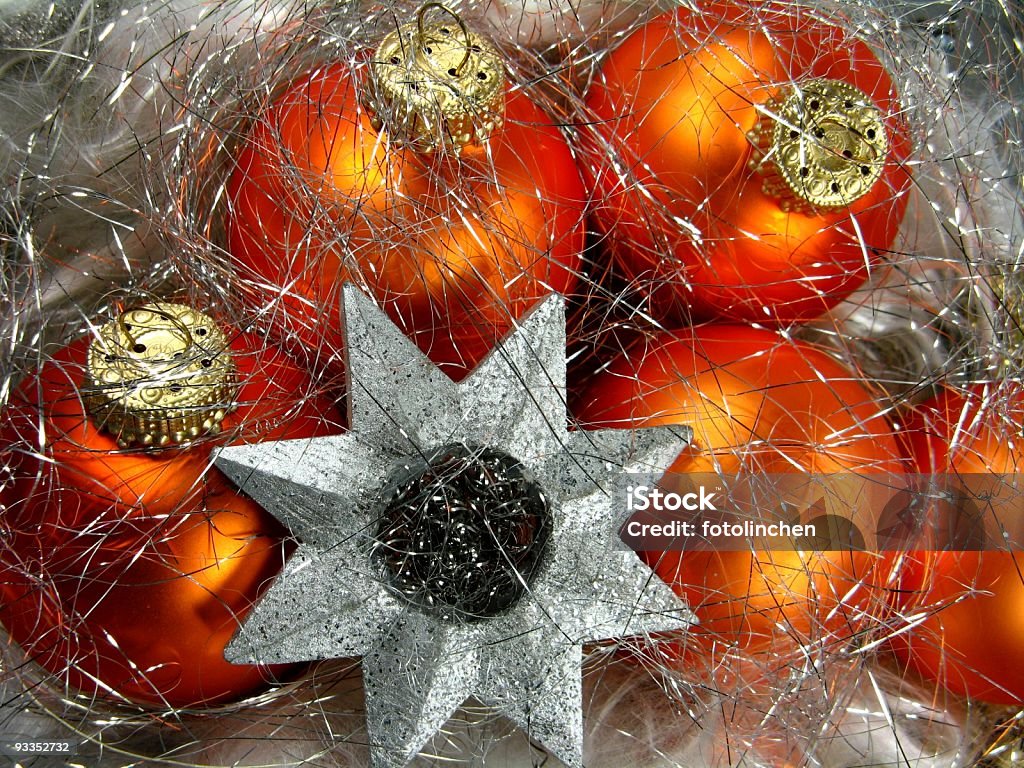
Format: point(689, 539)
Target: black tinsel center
point(462, 532)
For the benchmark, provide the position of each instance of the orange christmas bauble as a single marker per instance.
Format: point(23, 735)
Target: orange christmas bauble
point(747, 160)
point(971, 642)
point(757, 405)
point(126, 570)
point(141, 608)
point(977, 431)
point(455, 243)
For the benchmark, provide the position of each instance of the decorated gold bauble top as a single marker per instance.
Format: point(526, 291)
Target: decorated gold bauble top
point(821, 145)
point(160, 374)
point(436, 84)
point(1008, 290)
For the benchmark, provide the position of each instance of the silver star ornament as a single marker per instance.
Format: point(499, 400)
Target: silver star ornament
point(422, 658)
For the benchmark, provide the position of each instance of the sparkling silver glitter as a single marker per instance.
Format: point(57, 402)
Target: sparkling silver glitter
point(331, 600)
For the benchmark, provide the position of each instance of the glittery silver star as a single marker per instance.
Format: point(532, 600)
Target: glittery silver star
point(419, 666)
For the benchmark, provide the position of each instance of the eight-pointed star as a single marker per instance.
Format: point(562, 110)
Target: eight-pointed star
point(419, 666)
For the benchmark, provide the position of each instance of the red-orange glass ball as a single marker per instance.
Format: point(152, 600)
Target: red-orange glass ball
point(455, 245)
point(974, 431)
point(972, 641)
point(684, 210)
point(756, 405)
point(126, 571)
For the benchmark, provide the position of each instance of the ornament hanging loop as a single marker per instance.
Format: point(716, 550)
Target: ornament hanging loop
point(422, 39)
point(156, 311)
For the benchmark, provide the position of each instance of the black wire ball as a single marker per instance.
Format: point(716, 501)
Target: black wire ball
point(462, 532)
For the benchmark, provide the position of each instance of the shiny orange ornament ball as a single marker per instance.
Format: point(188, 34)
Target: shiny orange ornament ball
point(127, 570)
point(971, 642)
point(756, 405)
point(690, 175)
point(974, 431)
point(456, 243)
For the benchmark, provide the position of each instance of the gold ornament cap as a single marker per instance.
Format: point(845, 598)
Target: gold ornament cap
point(821, 146)
point(1008, 291)
point(160, 374)
point(436, 84)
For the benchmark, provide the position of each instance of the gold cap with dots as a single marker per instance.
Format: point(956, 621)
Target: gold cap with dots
point(160, 374)
point(821, 146)
point(436, 84)
point(1008, 292)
